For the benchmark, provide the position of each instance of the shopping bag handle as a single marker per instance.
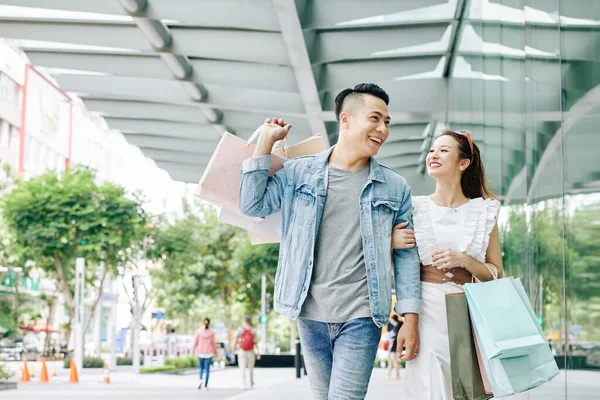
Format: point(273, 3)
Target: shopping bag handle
point(278, 144)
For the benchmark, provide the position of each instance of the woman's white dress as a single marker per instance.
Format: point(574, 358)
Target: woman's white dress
point(466, 229)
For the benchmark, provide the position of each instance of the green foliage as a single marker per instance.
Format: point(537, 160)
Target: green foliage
point(153, 370)
point(55, 218)
point(182, 363)
point(547, 246)
point(4, 374)
point(8, 318)
point(124, 361)
point(196, 261)
point(88, 362)
point(252, 261)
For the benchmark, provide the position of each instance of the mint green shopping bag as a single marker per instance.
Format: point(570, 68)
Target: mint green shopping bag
point(503, 319)
point(500, 312)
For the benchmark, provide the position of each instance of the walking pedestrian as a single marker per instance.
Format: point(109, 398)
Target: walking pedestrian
point(205, 347)
point(338, 209)
point(245, 341)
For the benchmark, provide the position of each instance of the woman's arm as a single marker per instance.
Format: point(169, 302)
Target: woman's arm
point(493, 260)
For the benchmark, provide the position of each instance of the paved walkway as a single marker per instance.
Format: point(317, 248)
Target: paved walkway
point(271, 384)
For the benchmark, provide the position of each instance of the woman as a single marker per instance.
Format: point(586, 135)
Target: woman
point(205, 347)
point(457, 236)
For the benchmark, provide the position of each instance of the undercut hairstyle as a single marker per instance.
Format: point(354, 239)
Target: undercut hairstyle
point(357, 92)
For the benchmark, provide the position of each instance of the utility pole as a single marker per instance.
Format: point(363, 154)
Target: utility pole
point(263, 312)
point(79, 311)
point(136, 325)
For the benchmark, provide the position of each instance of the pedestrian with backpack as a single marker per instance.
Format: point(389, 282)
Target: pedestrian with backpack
point(246, 342)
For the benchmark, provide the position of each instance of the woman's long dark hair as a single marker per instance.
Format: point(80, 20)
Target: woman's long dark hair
point(472, 182)
point(206, 323)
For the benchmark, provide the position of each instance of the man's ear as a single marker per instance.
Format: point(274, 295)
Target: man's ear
point(345, 120)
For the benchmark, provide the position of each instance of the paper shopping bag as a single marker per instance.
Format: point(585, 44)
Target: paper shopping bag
point(484, 376)
point(257, 238)
point(502, 319)
point(467, 383)
point(509, 375)
point(308, 147)
point(269, 226)
point(220, 183)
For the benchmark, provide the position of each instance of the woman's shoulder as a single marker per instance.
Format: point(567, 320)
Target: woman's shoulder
point(418, 201)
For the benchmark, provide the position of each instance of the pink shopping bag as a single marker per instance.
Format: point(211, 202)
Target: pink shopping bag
point(308, 147)
point(484, 377)
point(220, 183)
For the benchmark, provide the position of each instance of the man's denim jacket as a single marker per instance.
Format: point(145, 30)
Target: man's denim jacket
point(299, 191)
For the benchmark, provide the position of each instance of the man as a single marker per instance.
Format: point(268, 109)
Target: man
point(338, 209)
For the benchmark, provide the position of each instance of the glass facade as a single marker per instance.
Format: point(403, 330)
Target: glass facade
point(535, 111)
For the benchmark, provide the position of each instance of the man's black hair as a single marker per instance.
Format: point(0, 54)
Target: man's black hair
point(359, 90)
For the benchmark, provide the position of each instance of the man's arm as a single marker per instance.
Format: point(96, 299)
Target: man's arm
point(407, 275)
point(260, 195)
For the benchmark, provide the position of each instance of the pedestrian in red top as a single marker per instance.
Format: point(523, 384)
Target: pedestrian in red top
point(205, 347)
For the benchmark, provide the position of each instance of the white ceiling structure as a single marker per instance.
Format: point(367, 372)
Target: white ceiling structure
point(172, 75)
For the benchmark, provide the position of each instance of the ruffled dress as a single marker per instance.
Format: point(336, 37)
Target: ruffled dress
point(466, 229)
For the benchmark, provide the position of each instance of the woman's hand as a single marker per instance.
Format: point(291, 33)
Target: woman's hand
point(403, 238)
point(448, 259)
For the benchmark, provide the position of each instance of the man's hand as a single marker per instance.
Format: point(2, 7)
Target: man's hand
point(271, 131)
point(408, 336)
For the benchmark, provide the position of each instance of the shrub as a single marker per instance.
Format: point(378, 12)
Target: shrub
point(88, 362)
point(182, 363)
point(124, 361)
point(153, 370)
point(4, 375)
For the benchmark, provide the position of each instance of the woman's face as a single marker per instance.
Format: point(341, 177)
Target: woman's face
point(443, 159)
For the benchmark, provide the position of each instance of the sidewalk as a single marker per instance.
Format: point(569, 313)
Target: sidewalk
point(271, 384)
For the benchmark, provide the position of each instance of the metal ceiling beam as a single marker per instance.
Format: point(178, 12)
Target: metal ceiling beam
point(239, 14)
point(291, 30)
point(185, 176)
point(164, 128)
point(216, 72)
point(169, 143)
point(254, 100)
point(161, 39)
point(461, 8)
point(318, 14)
point(372, 43)
point(181, 156)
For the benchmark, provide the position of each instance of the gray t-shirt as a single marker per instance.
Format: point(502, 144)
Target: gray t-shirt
point(339, 291)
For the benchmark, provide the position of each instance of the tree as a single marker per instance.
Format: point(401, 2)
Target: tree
point(196, 252)
point(252, 261)
point(56, 217)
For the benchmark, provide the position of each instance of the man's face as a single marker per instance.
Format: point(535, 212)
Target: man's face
point(366, 124)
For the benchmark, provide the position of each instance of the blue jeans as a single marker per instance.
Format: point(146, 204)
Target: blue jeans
point(204, 365)
point(339, 357)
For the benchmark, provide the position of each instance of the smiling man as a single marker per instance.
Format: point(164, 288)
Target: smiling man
point(338, 210)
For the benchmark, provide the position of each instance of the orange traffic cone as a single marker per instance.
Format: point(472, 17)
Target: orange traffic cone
point(44, 372)
point(74, 378)
point(106, 373)
point(25, 377)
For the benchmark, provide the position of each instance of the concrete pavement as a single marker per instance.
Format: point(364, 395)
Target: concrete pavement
point(271, 384)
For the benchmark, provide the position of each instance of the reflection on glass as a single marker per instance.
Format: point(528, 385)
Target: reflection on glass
point(529, 89)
